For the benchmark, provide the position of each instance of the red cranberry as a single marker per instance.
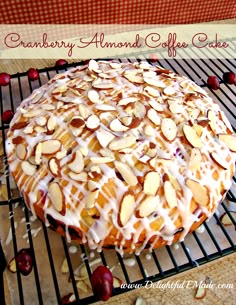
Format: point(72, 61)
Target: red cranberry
point(24, 261)
point(102, 282)
point(213, 82)
point(7, 116)
point(61, 62)
point(153, 57)
point(33, 74)
point(229, 78)
point(4, 79)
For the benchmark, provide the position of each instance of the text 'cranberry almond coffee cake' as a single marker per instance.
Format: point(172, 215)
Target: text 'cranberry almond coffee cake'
point(126, 156)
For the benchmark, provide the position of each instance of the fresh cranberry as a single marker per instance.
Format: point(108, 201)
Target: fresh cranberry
point(61, 62)
point(229, 78)
point(4, 79)
point(7, 116)
point(24, 261)
point(213, 82)
point(33, 74)
point(102, 282)
point(153, 57)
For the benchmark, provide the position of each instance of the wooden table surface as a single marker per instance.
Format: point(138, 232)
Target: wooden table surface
point(220, 271)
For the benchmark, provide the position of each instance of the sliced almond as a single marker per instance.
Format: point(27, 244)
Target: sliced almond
point(117, 282)
point(126, 173)
point(94, 97)
point(93, 66)
point(154, 82)
point(192, 137)
point(212, 119)
point(104, 137)
point(140, 301)
point(169, 129)
point(77, 122)
point(84, 111)
point(157, 106)
point(225, 121)
point(169, 90)
point(151, 183)
point(127, 100)
point(21, 151)
point(117, 126)
point(101, 160)
point(93, 122)
point(41, 121)
point(77, 162)
point(32, 113)
point(91, 199)
point(51, 123)
point(120, 143)
point(127, 207)
point(38, 153)
point(105, 107)
point(152, 91)
point(64, 266)
point(12, 265)
point(28, 168)
point(83, 176)
point(229, 140)
point(134, 78)
point(219, 160)
point(99, 83)
point(200, 293)
point(54, 166)
point(170, 194)
point(149, 131)
point(20, 125)
point(57, 197)
point(195, 159)
point(50, 146)
point(153, 116)
point(225, 219)
point(148, 206)
point(200, 193)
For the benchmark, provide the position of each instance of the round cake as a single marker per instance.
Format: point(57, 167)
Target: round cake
point(124, 156)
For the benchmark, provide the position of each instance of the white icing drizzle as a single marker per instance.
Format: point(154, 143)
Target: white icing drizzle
point(99, 224)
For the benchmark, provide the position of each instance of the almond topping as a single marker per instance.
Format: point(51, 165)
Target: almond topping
point(170, 194)
point(28, 168)
point(94, 97)
point(51, 124)
point(151, 183)
point(169, 91)
point(91, 199)
point(120, 143)
point(54, 166)
point(200, 192)
point(77, 122)
point(84, 111)
point(148, 206)
point(192, 136)
point(83, 176)
point(41, 121)
point(219, 160)
point(50, 146)
point(104, 137)
point(32, 113)
point(21, 151)
point(127, 207)
point(153, 116)
point(126, 172)
point(101, 160)
point(169, 129)
point(57, 197)
point(152, 91)
point(229, 140)
point(154, 82)
point(117, 126)
point(77, 162)
point(93, 122)
point(102, 84)
point(212, 119)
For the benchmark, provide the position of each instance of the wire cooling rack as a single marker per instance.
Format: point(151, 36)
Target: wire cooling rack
point(47, 284)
